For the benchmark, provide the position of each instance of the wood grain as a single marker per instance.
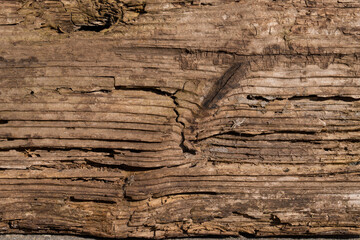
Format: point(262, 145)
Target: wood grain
point(164, 118)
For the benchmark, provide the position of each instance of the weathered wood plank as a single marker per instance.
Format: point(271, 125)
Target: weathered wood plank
point(164, 118)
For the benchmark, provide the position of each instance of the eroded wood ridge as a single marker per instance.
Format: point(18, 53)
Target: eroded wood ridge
point(223, 85)
point(161, 119)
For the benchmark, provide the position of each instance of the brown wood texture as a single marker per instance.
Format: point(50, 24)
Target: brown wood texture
point(174, 118)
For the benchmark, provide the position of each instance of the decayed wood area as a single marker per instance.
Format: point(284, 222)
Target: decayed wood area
point(171, 118)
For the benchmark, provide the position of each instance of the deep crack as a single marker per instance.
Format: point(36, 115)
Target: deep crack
point(320, 99)
point(182, 145)
point(184, 148)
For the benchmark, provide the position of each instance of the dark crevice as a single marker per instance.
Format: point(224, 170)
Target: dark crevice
point(347, 140)
point(4, 121)
point(261, 98)
point(12, 224)
point(96, 139)
point(135, 151)
point(94, 91)
point(318, 98)
point(110, 20)
point(145, 89)
point(234, 133)
point(158, 91)
point(84, 179)
point(275, 220)
point(9, 24)
point(245, 215)
point(297, 132)
point(128, 182)
point(231, 133)
point(73, 199)
point(184, 148)
point(120, 166)
point(249, 135)
point(131, 199)
point(189, 193)
point(109, 151)
point(309, 97)
point(94, 28)
point(82, 92)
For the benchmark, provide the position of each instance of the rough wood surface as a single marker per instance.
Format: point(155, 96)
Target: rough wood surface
point(172, 118)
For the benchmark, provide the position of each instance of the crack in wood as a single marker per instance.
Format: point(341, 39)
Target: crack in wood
point(182, 144)
point(328, 98)
point(77, 199)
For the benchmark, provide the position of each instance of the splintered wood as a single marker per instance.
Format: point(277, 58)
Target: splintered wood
point(164, 118)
